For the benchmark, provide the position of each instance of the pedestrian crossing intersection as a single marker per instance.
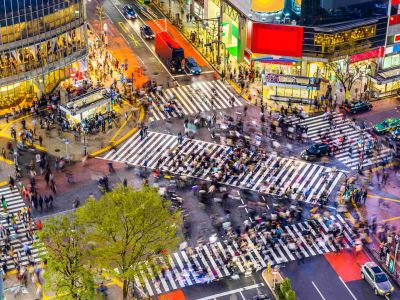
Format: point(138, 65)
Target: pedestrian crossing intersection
point(191, 99)
point(271, 174)
point(17, 239)
point(360, 141)
point(225, 258)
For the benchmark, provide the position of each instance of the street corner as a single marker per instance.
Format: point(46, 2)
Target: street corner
point(347, 263)
point(160, 25)
point(119, 136)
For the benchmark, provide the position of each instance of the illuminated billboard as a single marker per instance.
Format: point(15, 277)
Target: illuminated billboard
point(267, 5)
point(277, 39)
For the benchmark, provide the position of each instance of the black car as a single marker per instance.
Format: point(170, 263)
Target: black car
point(356, 107)
point(147, 32)
point(316, 151)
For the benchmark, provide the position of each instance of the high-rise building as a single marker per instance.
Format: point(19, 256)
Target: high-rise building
point(302, 38)
point(41, 43)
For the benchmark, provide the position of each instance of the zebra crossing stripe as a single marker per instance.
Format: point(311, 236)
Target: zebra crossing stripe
point(19, 238)
point(187, 262)
point(193, 99)
point(319, 124)
point(158, 150)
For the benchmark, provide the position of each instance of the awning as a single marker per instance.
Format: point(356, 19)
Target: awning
point(388, 76)
point(272, 60)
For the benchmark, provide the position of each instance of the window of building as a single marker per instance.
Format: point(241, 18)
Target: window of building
point(391, 61)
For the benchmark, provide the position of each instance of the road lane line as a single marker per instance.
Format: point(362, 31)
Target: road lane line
point(140, 36)
point(246, 288)
point(319, 292)
point(354, 297)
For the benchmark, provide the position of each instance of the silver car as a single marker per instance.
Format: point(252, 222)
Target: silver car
point(379, 281)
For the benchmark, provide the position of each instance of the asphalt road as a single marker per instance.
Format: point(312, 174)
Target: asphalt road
point(244, 288)
point(316, 279)
point(130, 30)
point(145, 49)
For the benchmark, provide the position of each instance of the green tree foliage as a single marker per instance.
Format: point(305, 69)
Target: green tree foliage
point(285, 286)
point(290, 295)
point(67, 272)
point(127, 228)
point(284, 290)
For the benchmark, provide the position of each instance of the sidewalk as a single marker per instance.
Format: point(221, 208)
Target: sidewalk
point(271, 279)
point(196, 35)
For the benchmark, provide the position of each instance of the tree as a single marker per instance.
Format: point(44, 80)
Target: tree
point(345, 75)
point(127, 229)
point(285, 286)
point(290, 295)
point(67, 272)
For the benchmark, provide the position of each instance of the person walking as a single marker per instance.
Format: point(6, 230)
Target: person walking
point(180, 138)
point(4, 204)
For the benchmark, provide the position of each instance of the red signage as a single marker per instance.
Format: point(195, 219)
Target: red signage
point(277, 39)
point(397, 38)
point(395, 2)
point(367, 55)
point(395, 19)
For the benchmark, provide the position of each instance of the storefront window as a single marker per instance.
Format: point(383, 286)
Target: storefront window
point(14, 94)
point(391, 61)
point(39, 55)
point(21, 25)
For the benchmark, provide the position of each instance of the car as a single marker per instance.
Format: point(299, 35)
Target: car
point(191, 66)
point(387, 125)
point(396, 134)
point(356, 107)
point(316, 151)
point(376, 278)
point(129, 12)
point(147, 32)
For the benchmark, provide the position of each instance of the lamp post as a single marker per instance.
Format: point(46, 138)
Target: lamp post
point(262, 89)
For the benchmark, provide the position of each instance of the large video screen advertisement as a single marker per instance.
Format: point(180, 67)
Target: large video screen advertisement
point(274, 6)
point(277, 39)
point(267, 6)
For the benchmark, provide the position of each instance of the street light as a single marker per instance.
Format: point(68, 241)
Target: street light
point(262, 89)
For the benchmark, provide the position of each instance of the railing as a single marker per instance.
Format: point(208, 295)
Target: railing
point(45, 69)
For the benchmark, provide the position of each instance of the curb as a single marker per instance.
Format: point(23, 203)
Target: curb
point(264, 275)
point(186, 38)
point(119, 141)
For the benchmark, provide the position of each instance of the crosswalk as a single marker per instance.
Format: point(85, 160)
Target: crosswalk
point(224, 258)
point(271, 175)
point(191, 99)
point(354, 139)
point(14, 204)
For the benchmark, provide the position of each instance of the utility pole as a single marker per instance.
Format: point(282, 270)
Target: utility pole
point(100, 14)
point(221, 11)
point(1, 288)
point(396, 251)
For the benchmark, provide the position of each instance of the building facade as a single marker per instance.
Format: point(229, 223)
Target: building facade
point(301, 37)
point(41, 43)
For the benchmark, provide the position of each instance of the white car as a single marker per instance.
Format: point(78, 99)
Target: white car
point(377, 279)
